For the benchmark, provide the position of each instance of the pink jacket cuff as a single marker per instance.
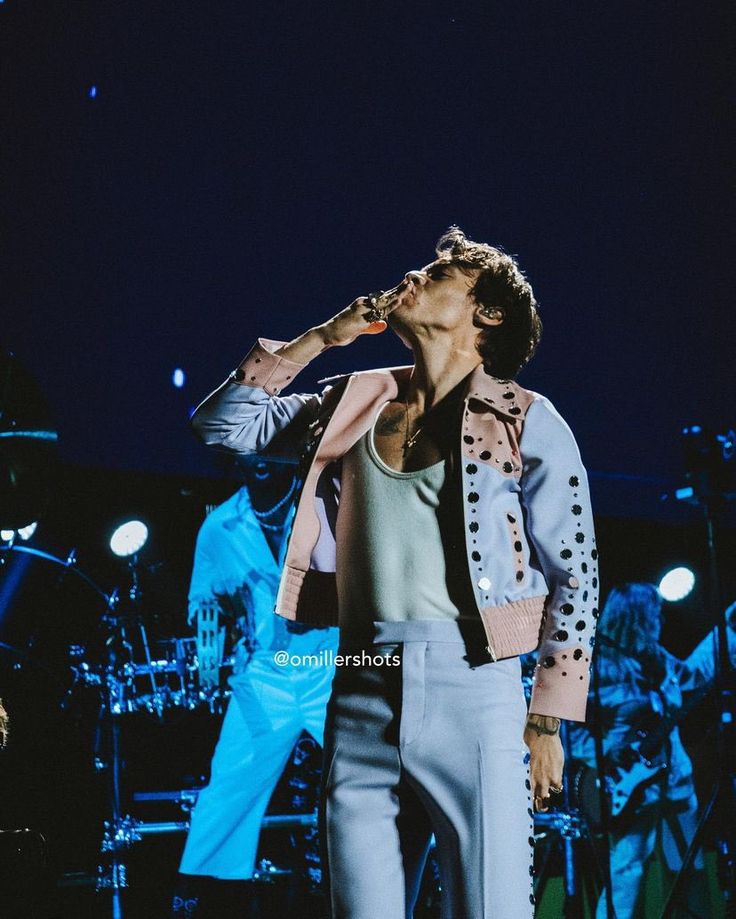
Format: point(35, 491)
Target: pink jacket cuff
point(262, 368)
point(560, 689)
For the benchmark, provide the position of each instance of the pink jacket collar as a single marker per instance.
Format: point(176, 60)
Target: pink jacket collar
point(504, 396)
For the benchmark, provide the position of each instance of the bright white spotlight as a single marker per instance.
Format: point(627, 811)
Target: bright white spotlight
point(676, 584)
point(129, 538)
point(26, 532)
point(178, 378)
point(7, 535)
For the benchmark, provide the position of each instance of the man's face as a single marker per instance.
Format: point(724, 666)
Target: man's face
point(266, 477)
point(436, 295)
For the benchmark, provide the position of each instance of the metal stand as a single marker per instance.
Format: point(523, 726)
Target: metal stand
point(721, 806)
point(112, 871)
point(603, 799)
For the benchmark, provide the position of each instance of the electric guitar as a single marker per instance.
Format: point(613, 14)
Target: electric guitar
point(641, 757)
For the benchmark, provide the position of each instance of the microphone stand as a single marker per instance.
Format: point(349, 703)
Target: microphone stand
point(721, 806)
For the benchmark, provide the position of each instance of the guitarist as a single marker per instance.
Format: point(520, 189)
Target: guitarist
point(648, 772)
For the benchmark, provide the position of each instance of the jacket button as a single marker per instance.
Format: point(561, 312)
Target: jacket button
point(484, 583)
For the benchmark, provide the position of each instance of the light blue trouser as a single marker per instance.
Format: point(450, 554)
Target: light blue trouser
point(675, 825)
point(269, 708)
point(434, 745)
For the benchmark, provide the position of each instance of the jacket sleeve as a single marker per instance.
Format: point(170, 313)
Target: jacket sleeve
point(246, 414)
point(698, 673)
point(559, 523)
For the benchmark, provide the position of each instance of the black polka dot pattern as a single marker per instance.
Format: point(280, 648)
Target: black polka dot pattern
point(573, 582)
point(518, 548)
point(552, 548)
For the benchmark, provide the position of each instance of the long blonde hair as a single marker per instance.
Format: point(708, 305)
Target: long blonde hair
point(628, 632)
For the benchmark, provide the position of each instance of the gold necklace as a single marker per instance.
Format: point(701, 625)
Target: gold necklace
point(409, 441)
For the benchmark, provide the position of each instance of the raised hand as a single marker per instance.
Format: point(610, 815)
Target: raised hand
point(344, 326)
point(351, 322)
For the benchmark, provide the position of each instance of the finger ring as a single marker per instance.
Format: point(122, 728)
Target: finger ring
point(375, 313)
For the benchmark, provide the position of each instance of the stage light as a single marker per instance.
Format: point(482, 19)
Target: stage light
point(178, 378)
point(92, 92)
point(25, 533)
point(7, 535)
point(129, 538)
point(676, 584)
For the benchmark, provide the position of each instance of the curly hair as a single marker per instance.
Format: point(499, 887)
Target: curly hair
point(505, 348)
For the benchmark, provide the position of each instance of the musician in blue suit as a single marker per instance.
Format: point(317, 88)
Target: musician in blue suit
point(274, 699)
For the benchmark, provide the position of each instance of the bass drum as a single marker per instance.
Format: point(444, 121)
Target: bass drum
point(584, 790)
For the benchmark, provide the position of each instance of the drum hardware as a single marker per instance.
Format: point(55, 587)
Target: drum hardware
point(167, 678)
point(571, 834)
point(126, 630)
point(170, 680)
point(567, 825)
point(69, 564)
point(267, 872)
point(186, 798)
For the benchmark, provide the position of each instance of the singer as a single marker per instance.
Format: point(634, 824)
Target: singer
point(443, 518)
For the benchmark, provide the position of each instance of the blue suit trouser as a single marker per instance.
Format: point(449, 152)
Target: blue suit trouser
point(431, 746)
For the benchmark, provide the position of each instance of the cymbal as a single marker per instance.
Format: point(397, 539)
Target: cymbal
point(28, 446)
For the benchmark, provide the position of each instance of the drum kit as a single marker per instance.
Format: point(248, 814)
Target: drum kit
point(122, 673)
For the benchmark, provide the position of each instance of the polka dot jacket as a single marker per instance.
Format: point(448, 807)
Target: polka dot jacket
point(531, 551)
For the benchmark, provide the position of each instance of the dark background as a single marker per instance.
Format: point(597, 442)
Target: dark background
point(179, 178)
point(249, 169)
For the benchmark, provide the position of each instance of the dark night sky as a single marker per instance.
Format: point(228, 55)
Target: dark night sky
point(250, 169)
